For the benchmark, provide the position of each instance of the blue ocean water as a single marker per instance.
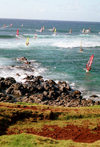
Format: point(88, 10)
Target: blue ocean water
point(56, 57)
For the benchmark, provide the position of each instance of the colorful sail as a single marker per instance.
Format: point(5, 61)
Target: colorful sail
point(17, 33)
point(88, 65)
point(55, 30)
point(27, 41)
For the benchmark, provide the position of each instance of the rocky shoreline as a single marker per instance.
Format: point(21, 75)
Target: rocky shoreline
point(40, 91)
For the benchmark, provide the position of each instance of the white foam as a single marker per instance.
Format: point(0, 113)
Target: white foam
point(20, 72)
point(60, 41)
point(76, 43)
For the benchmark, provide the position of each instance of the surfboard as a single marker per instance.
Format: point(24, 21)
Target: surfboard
point(88, 65)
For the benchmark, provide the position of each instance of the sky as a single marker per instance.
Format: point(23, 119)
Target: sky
point(67, 10)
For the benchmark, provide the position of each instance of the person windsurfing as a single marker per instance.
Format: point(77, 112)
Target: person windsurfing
point(70, 31)
point(88, 65)
point(27, 41)
point(54, 31)
point(81, 49)
point(17, 33)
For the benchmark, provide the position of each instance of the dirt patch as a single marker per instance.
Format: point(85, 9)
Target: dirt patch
point(13, 113)
point(77, 134)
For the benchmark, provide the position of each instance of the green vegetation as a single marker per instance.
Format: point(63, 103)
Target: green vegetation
point(16, 120)
point(28, 140)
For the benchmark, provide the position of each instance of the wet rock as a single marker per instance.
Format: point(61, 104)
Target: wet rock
point(11, 79)
point(94, 96)
point(17, 74)
point(39, 78)
point(51, 83)
point(36, 90)
point(29, 77)
point(77, 92)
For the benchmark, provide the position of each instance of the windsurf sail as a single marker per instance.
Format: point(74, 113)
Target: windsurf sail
point(55, 30)
point(17, 32)
point(81, 44)
point(27, 41)
point(88, 65)
point(81, 49)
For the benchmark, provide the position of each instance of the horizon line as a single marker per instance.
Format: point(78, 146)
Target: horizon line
point(52, 20)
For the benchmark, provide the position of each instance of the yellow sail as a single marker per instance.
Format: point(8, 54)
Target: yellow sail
point(27, 41)
point(55, 30)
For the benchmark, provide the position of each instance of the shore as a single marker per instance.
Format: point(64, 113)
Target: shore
point(35, 89)
point(45, 92)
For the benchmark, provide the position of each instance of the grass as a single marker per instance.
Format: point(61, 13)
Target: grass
point(28, 140)
point(22, 116)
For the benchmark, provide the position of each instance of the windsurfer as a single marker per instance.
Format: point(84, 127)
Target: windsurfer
point(86, 31)
point(17, 33)
point(27, 41)
point(88, 65)
point(81, 50)
point(70, 31)
point(11, 25)
point(88, 68)
point(42, 29)
point(54, 30)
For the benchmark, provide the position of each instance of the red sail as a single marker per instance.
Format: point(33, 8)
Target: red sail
point(17, 33)
point(88, 65)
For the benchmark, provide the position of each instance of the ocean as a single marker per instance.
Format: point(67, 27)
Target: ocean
point(56, 57)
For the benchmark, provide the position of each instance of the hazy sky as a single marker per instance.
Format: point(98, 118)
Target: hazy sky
point(78, 10)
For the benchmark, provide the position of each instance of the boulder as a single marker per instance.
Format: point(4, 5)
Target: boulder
point(94, 96)
point(46, 86)
point(17, 93)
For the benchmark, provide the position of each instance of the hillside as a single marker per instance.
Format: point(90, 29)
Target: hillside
point(48, 126)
